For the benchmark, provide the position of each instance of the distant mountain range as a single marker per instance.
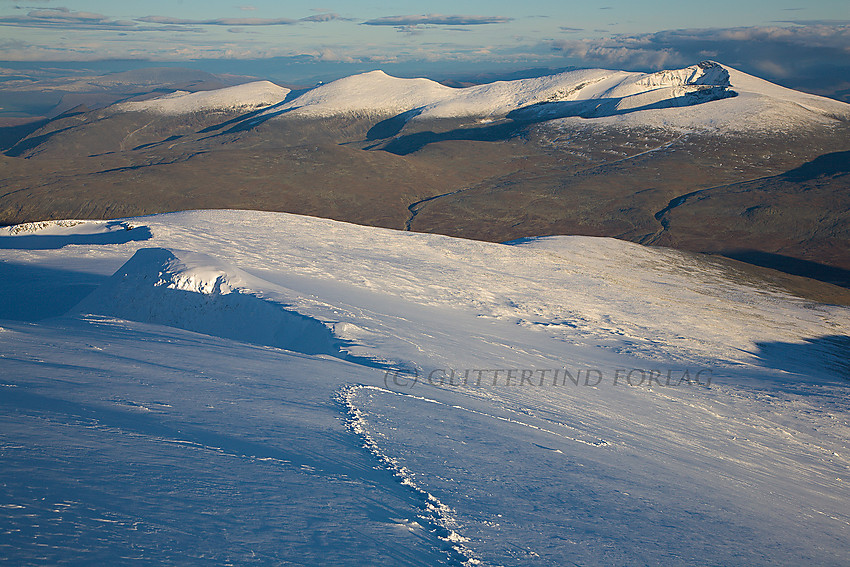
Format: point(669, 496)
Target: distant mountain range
point(704, 158)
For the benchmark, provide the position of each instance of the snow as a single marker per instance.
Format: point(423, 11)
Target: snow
point(372, 92)
point(201, 293)
point(64, 228)
point(247, 96)
point(704, 96)
point(241, 386)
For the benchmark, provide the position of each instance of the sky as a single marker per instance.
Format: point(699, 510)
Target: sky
point(773, 38)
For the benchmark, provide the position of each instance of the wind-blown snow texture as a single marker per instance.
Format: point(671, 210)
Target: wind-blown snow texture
point(303, 391)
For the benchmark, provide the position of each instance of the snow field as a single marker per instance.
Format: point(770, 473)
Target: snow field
point(259, 367)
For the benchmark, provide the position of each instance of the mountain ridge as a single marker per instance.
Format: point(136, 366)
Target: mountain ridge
point(589, 93)
point(589, 152)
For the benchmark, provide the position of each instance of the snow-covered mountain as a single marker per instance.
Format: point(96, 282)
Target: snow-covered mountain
point(648, 157)
point(248, 96)
point(237, 386)
point(671, 98)
point(377, 92)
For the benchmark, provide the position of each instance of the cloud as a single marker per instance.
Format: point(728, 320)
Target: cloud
point(167, 20)
point(784, 45)
point(325, 17)
point(329, 55)
point(812, 56)
point(218, 21)
point(66, 19)
point(437, 20)
point(817, 22)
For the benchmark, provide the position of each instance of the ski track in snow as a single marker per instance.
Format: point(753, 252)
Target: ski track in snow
point(439, 516)
point(378, 298)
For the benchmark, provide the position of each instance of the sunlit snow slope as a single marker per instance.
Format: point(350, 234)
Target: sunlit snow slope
point(236, 387)
point(706, 95)
point(247, 96)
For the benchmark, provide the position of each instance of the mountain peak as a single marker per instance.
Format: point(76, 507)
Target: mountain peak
point(703, 96)
point(248, 96)
point(707, 73)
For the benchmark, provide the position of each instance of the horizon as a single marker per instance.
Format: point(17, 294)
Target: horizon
point(33, 92)
point(801, 47)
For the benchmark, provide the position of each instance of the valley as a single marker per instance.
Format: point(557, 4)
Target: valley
point(496, 162)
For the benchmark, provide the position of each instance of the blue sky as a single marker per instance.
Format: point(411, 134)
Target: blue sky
point(772, 38)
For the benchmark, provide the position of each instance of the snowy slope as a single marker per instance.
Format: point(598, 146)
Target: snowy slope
point(383, 397)
point(247, 96)
point(67, 227)
point(707, 95)
point(374, 92)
